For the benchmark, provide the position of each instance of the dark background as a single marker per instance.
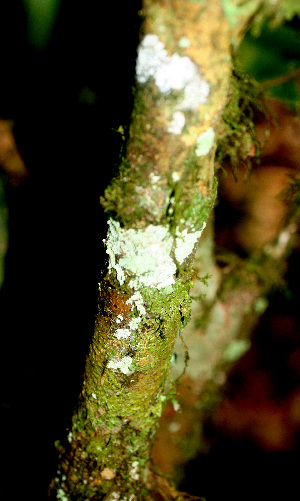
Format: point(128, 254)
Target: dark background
point(64, 101)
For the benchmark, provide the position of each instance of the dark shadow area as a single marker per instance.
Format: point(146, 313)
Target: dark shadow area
point(241, 472)
point(254, 433)
point(64, 102)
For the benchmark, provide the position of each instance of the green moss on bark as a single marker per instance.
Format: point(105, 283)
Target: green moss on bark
point(118, 413)
point(158, 204)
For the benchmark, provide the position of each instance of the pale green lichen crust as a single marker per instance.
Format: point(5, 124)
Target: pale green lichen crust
point(177, 123)
point(123, 364)
point(236, 349)
point(145, 255)
point(61, 495)
point(204, 142)
point(185, 243)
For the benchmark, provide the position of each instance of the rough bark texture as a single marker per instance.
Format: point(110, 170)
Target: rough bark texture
point(158, 206)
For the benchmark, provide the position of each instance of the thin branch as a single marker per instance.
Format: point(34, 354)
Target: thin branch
point(282, 79)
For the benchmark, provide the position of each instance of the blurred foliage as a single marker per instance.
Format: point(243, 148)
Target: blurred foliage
point(267, 64)
point(291, 195)
point(41, 17)
point(278, 11)
point(272, 56)
point(3, 229)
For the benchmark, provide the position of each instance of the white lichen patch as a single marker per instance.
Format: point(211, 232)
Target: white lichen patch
point(113, 248)
point(151, 54)
point(174, 427)
point(122, 333)
point(61, 495)
point(119, 319)
point(176, 405)
point(136, 301)
point(185, 243)
point(113, 496)
point(132, 497)
point(134, 323)
point(133, 472)
point(184, 43)
point(195, 93)
point(171, 72)
point(260, 305)
point(175, 177)
point(177, 123)
point(204, 142)
point(122, 364)
point(143, 253)
point(236, 349)
point(153, 178)
point(145, 257)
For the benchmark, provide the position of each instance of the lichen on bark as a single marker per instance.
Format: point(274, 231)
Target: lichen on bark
point(158, 205)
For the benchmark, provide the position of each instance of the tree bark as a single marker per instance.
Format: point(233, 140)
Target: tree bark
point(158, 206)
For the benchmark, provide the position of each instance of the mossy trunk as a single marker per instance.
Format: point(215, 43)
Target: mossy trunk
point(158, 206)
